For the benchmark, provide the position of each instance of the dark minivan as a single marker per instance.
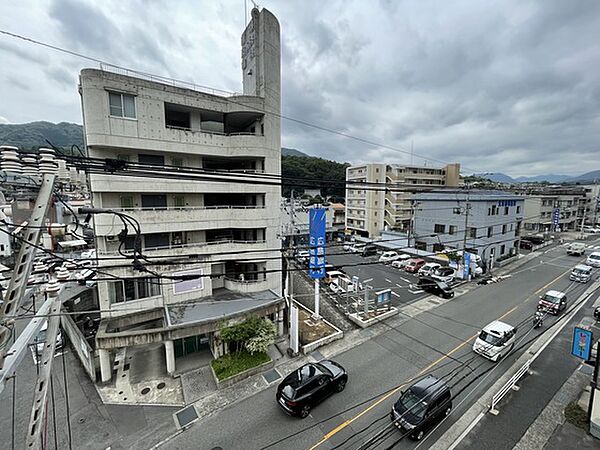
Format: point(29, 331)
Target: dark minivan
point(436, 287)
point(369, 250)
point(310, 385)
point(422, 406)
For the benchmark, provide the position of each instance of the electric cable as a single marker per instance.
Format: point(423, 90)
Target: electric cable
point(67, 401)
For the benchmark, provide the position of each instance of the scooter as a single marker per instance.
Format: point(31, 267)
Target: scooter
point(538, 319)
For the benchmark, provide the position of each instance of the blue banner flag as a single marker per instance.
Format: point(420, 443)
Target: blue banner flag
point(317, 229)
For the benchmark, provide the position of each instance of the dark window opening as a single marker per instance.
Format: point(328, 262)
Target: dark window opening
point(177, 117)
point(157, 160)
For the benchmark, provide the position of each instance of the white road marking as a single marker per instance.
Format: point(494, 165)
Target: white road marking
point(416, 292)
point(404, 279)
point(396, 294)
point(389, 281)
point(399, 286)
point(367, 280)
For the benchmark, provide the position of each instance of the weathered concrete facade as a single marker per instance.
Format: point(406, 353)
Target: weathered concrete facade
point(230, 226)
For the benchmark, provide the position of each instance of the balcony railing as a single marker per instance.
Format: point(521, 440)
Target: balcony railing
point(189, 245)
point(186, 208)
point(237, 133)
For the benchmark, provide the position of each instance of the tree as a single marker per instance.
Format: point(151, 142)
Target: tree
point(255, 334)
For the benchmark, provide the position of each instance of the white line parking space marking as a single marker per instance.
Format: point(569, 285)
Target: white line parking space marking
point(404, 279)
point(396, 294)
point(367, 280)
point(416, 292)
point(399, 286)
point(389, 281)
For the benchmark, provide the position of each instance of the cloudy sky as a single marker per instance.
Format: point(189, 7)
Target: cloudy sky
point(508, 86)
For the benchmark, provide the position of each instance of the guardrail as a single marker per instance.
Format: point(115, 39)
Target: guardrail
point(510, 384)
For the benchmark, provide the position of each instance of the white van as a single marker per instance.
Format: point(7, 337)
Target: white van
point(576, 248)
point(593, 260)
point(495, 340)
point(581, 273)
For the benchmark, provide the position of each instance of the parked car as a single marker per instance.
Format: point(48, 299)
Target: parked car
point(428, 269)
point(590, 229)
point(401, 262)
point(369, 250)
point(435, 287)
point(413, 265)
point(347, 246)
point(581, 273)
point(40, 339)
point(331, 276)
point(495, 341)
point(309, 385)
point(388, 257)
point(422, 406)
point(593, 259)
point(553, 302)
point(357, 248)
point(445, 274)
point(576, 248)
point(526, 244)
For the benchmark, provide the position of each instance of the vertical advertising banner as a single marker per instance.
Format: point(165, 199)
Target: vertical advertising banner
point(317, 229)
point(556, 218)
point(467, 262)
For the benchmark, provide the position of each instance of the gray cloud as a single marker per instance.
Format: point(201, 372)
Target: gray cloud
point(498, 86)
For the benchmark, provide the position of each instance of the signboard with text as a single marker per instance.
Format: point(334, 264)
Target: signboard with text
point(556, 218)
point(582, 343)
point(316, 242)
point(467, 263)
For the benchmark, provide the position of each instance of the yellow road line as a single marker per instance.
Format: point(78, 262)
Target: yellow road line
point(344, 424)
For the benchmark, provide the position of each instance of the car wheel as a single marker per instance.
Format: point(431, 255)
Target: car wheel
point(304, 412)
point(418, 435)
point(341, 385)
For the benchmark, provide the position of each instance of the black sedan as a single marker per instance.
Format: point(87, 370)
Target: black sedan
point(436, 287)
point(310, 385)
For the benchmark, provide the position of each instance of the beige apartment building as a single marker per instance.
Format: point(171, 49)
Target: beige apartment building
point(230, 226)
point(372, 206)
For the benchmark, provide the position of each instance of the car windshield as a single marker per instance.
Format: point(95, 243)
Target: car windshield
point(550, 298)
point(579, 272)
point(595, 257)
point(443, 285)
point(413, 404)
point(489, 338)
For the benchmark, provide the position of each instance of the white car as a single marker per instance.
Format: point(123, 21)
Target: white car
point(589, 229)
point(401, 262)
point(445, 274)
point(593, 260)
point(495, 341)
point(388, 257)
point(428, 269)
point(357, 248)
point(347, 247)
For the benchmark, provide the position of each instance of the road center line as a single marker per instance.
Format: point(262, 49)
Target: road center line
point(344, 424)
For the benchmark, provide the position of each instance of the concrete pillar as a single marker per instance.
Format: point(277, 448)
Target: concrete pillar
point(170, 356)
point(280, 319)
point(105, 365)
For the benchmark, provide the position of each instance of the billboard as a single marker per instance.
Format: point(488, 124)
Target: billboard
point(582, 343)
point(316, 242)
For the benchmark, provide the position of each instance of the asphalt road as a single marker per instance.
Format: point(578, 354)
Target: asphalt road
point(389, 360)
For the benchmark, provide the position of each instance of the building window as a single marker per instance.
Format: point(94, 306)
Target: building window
point(375, 213)
point(472, 232)
point(503, 229)
point(123, 157)
point(456, 211)
point(178, 201)
point(489, 211)
point(126, 201)
point(452, 229)
point(502, 249)
point(439, 228)
point(490, 232)
point(133, 289)
point(121, 105)
point(156, 240)
point(154, 201)
point(177, 162)
point(376, 202)
point(518, 209)
point(506, 210)
point(157, 160)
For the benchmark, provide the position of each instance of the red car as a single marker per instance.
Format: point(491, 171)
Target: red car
point(413, 265)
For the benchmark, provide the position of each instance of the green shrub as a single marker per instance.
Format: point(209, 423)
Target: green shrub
point(231, 364)
point(254, 334)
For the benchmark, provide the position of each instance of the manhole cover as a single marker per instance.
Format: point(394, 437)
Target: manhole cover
point(160, 385)
point(145, 391)
point(271, 376)
point(186, 416)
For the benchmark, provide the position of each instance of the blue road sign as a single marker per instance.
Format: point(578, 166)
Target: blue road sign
point(317, 228)
point(582, 343)
point(556, 217)
point(384, 296)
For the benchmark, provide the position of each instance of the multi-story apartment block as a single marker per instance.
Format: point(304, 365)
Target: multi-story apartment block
point(375, 207)
point(493, 223)
point(230, 227)
point(541, 201)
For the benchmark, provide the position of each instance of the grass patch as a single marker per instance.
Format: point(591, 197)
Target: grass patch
point(576, 415)
point(233, 363)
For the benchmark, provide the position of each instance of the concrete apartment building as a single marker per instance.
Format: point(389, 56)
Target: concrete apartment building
point(540, 202)
point(370, 209)
point(231, 226)
point(493, 225)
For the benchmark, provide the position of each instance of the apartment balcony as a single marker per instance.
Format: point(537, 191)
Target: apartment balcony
point(246, 286)
point(206, 247)
point(174, 219)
